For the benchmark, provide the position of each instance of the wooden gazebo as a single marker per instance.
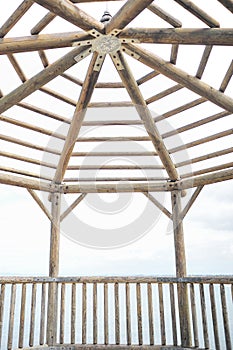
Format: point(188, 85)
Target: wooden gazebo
point(60, 63)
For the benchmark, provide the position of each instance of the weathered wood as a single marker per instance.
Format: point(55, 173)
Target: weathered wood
point(117, 314)
point(203, 62)
point(114, 167)
point(106, 338)
point(72, 206)
point(11, 317)
point(208, 179)
point(158, 204)
point(194, 315)
point(128, 313)
point(228, 4)
point(173, 313)
point(24, 173)
point(181, 77)
point(41, 42)
point(198, 12)
point(150, 313)
point(22, 315)
point(55, 234)
point(2, 303)
point(15, 17)
point(145, 115)
point(40, 79)
point(174, 53)
point(161, 315)
point(227, 77)
point(126, 14)
point(17, 67)
point(190, 202)
point(43, 23)
point(72, 14)
point(164, 93)
point(139, 313)
point(95, 321)
point(40, 203)
point(51, 332)
point(42, 314)
point(204, 316)
point(33, 312)
point(208, 170)
point(184, 36)
point(23, 182)
point(84, 313)
point(79, 114)
point(62, 313)
point(158, 11)
point(73, 314)
point(114, 154)
point(180, 258)
point(225, 317)
point(214, 316)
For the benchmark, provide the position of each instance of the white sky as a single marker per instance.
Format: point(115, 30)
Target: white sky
point(24, 234)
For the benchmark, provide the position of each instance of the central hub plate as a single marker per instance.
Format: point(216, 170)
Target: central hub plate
point(106, 44)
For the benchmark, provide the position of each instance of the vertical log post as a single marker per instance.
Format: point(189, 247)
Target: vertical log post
point(53, 269)
point(185, 325)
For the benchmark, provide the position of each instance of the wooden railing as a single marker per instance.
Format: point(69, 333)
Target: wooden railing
point(115, 310)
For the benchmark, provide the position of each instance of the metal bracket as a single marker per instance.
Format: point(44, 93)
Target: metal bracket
point(130, 52)
point(83, 55)
point(82, 43)
point(99, 62)
point(116, 60)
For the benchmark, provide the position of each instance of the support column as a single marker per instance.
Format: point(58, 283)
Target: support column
point(53, 269)
point(185, 325)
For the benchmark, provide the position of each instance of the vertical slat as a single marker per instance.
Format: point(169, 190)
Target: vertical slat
point(22, 315)
point(105, 313)
point(84, 313)
point(11, 317)
point(161, 312)
point(73, 313)
point(214, 316)
point(204, 318)
point(42, 314)
point(150, 314)
point(139, 313)
point(225, 317)
point(173, 313)
point(2, 299)
point(62, 313)
point(33, 311)
point(52, 313)
point(128, 313)
point(232, 292)
point(117, 317)
point(194, 315)
point(95, 313)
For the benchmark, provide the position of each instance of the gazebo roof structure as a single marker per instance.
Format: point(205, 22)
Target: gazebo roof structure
point(105, 97)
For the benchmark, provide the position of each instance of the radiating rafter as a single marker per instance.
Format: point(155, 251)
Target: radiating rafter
point(144, 113)
point(79, 114)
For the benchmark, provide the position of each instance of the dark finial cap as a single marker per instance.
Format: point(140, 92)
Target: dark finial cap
point(106, 17)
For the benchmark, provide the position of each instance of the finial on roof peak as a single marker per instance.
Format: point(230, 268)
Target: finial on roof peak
point(106, 17)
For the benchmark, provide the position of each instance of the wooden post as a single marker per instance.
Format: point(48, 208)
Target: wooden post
point(180, 258)
point(53, 269)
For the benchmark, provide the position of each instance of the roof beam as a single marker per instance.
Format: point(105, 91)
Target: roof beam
point(144, 113)
point(181, 77)
point(40, 79)
point(126, 14)
point(15, 17)
point(228, 4)
point(72, 14)
point(79, 114)
point(187, 36)
point(40, 42)
point(208, 179)
point(23, 182)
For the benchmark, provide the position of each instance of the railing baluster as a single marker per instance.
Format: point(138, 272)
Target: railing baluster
point(33, 310)
point(194, 315)
point(204, 318)
point(62, 313)
point(117, 317)
point(214, 316)
point(22, 316)
point(150, 314)
point(173, 313)
point(225, 317)
point(161, 312)
point(73, 313)
point(139, 313)
point(128, 313)
point(2, 299)
point(42, 314)
point(95, 313)
point(11, 317)
point(106, 313)
point(84, 313)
